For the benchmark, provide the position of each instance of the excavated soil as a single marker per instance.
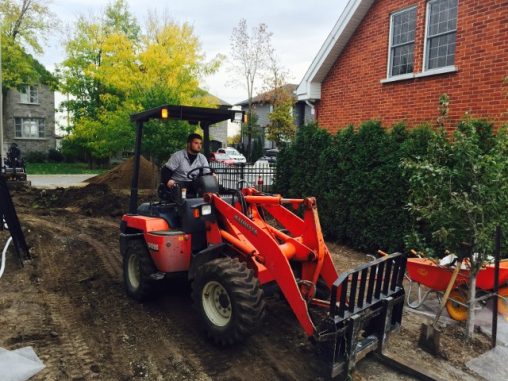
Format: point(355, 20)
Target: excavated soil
point(68, 303)
point(120, 177)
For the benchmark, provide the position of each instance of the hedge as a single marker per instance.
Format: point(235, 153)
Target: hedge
point(357, 177)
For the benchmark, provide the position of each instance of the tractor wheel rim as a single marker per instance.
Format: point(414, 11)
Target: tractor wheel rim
point(133, 271)
point(216, 303)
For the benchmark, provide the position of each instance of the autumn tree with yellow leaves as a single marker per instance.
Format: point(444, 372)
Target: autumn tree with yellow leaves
point(112, 70)
point(24, 27)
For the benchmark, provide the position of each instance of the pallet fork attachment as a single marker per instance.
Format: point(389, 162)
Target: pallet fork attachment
point(366, 305)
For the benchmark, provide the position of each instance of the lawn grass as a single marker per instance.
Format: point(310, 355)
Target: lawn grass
point(61, 169)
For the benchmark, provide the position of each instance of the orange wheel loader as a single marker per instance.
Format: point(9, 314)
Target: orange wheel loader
point(235, 243)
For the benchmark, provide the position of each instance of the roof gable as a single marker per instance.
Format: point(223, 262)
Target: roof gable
point(264, 97)
point(343, 30)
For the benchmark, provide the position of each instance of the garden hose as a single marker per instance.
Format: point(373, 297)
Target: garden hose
point(4, 252)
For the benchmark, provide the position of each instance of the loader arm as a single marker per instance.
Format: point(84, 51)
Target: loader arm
point(271, 252)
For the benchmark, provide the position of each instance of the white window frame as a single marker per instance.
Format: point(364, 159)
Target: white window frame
point(443, 69)
point(41, 123)
point(389, 66)
point(25, 95)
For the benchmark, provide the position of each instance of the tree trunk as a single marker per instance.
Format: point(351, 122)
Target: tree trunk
point(471, 305)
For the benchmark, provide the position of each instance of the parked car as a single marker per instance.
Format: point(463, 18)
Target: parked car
point(217, 157)
point(233, 154)
point(270, 155)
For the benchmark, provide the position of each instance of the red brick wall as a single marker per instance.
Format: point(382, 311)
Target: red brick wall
point(352, 92)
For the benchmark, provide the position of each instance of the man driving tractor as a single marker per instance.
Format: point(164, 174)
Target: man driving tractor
point(176, 170)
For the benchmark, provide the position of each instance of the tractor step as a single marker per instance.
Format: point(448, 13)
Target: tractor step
point(365, 307)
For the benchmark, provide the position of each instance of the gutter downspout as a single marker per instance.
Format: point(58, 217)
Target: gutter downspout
point(312, 110)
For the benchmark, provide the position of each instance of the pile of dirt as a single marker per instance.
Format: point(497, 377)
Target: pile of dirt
point(92, 200)
point(120, 177)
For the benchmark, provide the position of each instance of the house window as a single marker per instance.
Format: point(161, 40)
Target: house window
point(29, 94)
point(402, 41)
point(29, 127)
point(441, 33)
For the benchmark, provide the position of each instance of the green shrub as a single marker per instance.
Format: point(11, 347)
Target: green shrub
point(257, 149)
point(35, 157)
point(73, 149)
point(375, 189)
point(310, 142)
point(285, 165)
point(366, 196)
point(459, 191)
point(55, 156)
point(299, 161)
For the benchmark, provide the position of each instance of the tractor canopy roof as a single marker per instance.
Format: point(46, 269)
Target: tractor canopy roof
point(193, 115)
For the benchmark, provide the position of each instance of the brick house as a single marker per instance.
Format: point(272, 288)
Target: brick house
point(29, 118)
point(391, 60)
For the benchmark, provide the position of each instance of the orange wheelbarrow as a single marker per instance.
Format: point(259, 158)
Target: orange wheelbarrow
point(435, 278)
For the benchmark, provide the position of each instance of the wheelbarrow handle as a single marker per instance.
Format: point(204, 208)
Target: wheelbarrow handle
point(448, 291)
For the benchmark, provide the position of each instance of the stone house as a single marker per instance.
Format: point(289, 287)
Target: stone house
point(391, 60)
point(29, 118)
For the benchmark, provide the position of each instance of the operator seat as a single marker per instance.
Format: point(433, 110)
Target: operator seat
point(166, 211)
point(206, 184)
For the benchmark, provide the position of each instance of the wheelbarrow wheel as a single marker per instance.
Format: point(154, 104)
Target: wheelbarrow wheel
point(455, 310)
point(502, 302)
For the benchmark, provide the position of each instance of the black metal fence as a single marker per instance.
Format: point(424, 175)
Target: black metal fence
point(236, 176)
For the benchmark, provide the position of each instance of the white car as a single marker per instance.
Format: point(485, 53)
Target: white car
point(233, 154)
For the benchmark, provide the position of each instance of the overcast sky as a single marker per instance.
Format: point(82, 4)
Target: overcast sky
point(299, 29)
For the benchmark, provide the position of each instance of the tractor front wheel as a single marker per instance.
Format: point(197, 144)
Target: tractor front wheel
point(228, 299)
point(137, 269)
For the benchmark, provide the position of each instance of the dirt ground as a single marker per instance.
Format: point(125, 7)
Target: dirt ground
point(70, 306)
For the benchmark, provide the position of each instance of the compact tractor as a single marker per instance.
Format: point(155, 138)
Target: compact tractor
point(13, 169)
point(236, 243)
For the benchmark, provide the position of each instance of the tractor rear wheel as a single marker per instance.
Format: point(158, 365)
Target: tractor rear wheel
point(137, 269)
point(228, 299)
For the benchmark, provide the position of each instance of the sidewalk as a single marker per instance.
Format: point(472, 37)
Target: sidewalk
point(58, 181)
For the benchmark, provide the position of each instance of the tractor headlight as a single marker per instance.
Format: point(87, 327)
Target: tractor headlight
point(206, 210)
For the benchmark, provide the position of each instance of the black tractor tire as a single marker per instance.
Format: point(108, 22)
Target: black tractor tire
point(228, 299)
point(137, 269)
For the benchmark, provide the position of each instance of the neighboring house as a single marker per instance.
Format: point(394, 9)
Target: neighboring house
point(29, 119)
point(302, 113)
point(391, 60)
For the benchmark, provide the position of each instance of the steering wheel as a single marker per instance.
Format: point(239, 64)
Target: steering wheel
point(200, 169)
